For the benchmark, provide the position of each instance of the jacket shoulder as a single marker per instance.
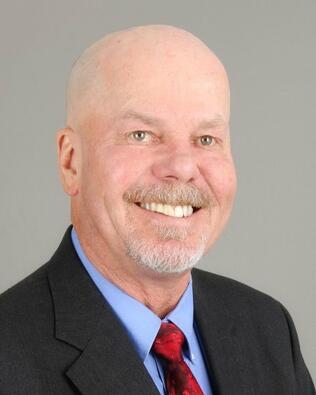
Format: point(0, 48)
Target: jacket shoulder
point(236, 295)
point(260, 322)
point(30, 295)
point(25, 309)
point(31, 289)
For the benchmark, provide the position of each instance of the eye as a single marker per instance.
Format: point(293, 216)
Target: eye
point(207, 140)
point(140, 135)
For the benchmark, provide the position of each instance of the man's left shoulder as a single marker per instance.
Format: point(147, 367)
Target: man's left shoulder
point(235, 296)
point(250, 328)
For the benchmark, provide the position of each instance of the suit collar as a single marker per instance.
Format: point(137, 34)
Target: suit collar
point(77, 305)
point(220, 330)
point(108, 362)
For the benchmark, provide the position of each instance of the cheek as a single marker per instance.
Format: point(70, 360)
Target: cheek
point(119, 167)
point(221, 177)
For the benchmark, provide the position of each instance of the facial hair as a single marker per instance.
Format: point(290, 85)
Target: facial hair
point(168, 250)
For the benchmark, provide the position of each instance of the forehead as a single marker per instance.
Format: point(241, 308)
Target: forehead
point(162, 93)
point(162, 80)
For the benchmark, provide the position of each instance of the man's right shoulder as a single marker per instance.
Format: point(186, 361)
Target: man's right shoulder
point(26, 304)
point(31, 297)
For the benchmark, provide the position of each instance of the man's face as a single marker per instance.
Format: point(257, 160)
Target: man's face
point(158, 139)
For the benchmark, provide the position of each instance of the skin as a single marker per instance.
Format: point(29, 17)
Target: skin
point(166, 82)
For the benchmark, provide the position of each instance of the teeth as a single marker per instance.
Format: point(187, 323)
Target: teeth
point(159, 208)
point(168, 210)
point(178, 212)
point(172, 211)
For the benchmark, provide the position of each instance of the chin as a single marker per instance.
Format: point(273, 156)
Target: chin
point(170, 256)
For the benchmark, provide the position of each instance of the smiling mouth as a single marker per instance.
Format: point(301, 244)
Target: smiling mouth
point(169, 210)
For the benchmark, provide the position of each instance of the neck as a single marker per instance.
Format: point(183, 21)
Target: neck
point(160, 292)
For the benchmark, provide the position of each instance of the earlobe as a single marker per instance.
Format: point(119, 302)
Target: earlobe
point(67, 150)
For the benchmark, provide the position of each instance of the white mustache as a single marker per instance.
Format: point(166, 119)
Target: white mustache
point(172, 194)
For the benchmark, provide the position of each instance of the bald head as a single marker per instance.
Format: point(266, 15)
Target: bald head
point(148, 114)
point(141, 53)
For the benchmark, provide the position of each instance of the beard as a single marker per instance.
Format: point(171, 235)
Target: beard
point(169, 254)
point(163, 258)
point(165, 249)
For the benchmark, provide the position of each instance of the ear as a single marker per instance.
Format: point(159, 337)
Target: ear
point(68, 160)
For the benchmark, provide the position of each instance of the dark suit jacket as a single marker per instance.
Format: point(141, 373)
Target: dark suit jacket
point(59, 336)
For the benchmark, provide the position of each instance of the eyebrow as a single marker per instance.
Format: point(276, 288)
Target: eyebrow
point(205, 124)
point(214, 123)
point(148, 119)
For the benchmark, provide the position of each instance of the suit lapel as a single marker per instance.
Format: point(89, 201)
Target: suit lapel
point(219, 331)
point(109, 365)
point(107, 361)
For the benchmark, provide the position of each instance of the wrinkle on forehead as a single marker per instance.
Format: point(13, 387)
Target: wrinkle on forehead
point(144, 51)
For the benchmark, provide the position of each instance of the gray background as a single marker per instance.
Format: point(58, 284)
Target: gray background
point(268, 48)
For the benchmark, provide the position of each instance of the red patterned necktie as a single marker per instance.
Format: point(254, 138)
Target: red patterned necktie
point(168, 346)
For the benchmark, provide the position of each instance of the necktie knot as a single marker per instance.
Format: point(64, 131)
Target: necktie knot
point(178, 376)
point(168, 343)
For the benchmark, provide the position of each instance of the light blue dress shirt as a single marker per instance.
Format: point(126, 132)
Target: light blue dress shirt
point(142, 325)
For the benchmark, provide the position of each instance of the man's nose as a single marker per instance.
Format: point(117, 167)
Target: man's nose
point(177, 164)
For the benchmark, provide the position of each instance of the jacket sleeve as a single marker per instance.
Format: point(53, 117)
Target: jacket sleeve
point(304, 381)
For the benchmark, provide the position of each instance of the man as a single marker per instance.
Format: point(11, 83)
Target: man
point(146, 160)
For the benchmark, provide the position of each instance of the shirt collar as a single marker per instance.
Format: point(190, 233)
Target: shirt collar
point(141, 324)
point(182, 316)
